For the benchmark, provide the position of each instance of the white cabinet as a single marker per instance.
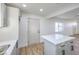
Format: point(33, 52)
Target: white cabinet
point(14, 51)
point(49, 49)
point(66, 48)
point(58, 45)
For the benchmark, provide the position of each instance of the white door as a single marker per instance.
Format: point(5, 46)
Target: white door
point(34, 31)
point(23, 32)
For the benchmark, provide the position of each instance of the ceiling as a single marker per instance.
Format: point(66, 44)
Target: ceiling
point(73, 14)
point(50, 9)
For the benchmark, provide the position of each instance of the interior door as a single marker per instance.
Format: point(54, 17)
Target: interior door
point(34, 31)
point(23, 32)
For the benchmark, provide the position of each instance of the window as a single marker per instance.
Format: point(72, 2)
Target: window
point(59, 27)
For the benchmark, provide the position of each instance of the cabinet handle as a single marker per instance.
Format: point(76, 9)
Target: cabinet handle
point(63, 52)
point(62, 46)
point(72, 48)
point(71, 42)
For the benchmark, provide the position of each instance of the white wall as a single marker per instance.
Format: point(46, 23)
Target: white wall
point(44, 27)
point(11, 31)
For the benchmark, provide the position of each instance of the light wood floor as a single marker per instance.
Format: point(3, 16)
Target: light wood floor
point(35, 49)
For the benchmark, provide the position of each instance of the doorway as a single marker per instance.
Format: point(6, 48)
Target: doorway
point(33, 31)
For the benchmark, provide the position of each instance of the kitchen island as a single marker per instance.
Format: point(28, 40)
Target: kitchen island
point(58, 44)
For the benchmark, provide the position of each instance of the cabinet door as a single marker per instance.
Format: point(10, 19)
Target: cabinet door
point(70, 48)
point(14, 51)
point(61, 49)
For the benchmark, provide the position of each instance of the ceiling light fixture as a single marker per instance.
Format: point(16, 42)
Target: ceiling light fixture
point(41, 10)
point(24, 5)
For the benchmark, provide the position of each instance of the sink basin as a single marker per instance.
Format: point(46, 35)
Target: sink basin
point(3, 49)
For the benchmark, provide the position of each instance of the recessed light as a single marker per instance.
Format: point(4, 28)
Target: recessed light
point(24, 5)
point(41, 10)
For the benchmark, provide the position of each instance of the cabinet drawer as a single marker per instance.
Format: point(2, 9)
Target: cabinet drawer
point(62, 45)
point(70, 42)
point(61, 49)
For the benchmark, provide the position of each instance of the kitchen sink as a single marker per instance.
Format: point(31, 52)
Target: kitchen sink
point(3, 49)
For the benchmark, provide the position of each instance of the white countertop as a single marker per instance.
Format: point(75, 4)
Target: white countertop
point(12, 44)
point(57, 38)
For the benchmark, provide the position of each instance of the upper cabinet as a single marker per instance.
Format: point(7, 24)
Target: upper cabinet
point(3, 15)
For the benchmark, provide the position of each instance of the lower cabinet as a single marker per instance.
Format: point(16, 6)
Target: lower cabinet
point(15, 50)
point(65, 48)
